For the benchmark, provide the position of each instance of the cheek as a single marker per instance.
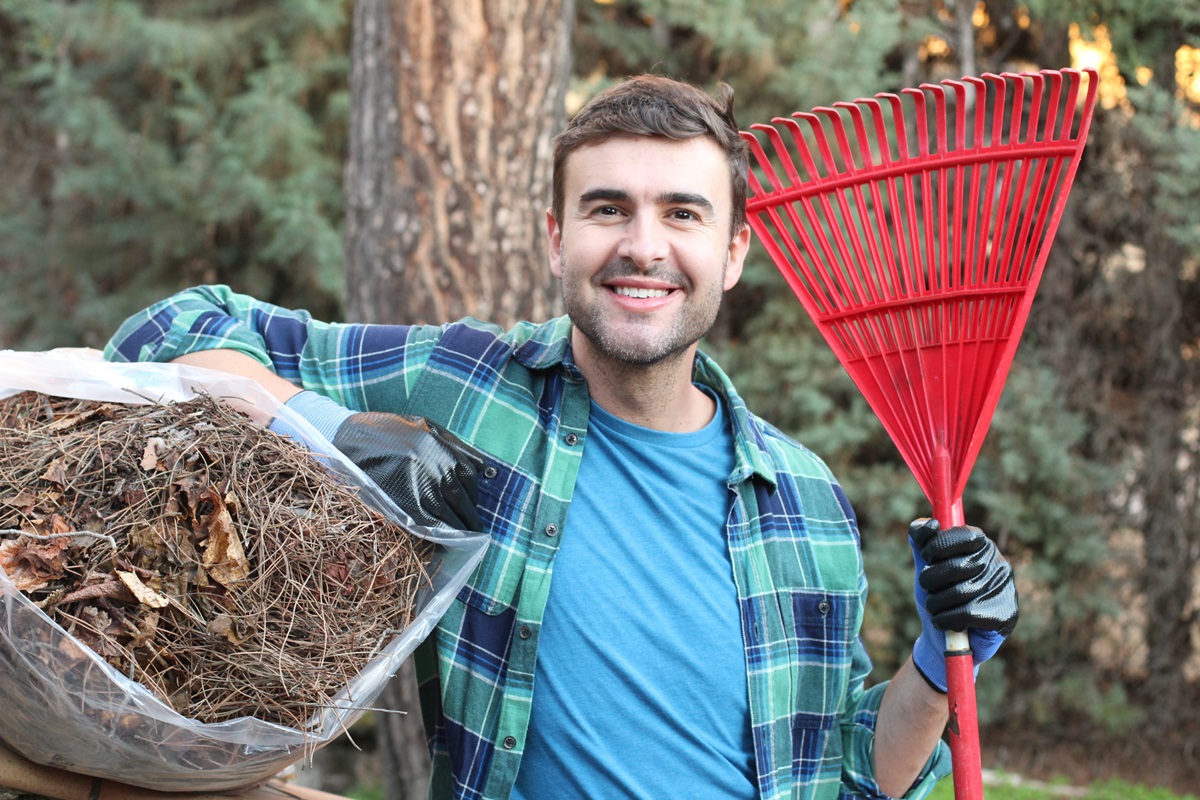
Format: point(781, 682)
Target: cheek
point(582, 253)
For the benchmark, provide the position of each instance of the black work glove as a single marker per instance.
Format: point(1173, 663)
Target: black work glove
point(962, 583)
point(424, 468)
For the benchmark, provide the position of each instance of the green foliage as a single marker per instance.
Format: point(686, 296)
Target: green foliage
point(1171, 132)
point(1141, 31)
point(370, 793)
point(778, 54)
point(157, 145)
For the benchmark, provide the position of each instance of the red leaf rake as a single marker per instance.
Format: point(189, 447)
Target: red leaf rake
point(913, 228)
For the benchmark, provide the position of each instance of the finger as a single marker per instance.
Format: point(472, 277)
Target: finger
point(982, 602)
point(922, 530)
point(993, 611)
point(954, 543)
point(457, 446)
point(940, 575)
point(466, 517)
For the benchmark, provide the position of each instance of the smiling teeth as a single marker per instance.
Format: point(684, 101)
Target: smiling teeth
point(629, 291)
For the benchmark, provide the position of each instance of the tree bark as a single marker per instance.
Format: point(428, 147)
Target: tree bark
point(453, 110)
point(454, 106)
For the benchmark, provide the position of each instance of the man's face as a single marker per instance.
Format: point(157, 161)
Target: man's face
point(644, 249)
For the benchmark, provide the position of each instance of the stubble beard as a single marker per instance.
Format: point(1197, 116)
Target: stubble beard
point(614, 341)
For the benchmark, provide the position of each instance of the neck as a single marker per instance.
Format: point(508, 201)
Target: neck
point(660, 396)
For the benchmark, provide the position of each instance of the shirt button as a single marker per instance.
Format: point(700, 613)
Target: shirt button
point(824, 607)
point(509, 742)
point(572, 439)
point(551, 529)
point(525, 632)
point(489, 472)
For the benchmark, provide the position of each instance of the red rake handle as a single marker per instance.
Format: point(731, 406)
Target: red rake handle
point(963, 728)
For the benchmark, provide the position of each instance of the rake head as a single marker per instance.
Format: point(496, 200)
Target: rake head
point(914, 227)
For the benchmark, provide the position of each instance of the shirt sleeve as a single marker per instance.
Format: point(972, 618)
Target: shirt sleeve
point(861, 714)
point(363, 367)
point(858, 742)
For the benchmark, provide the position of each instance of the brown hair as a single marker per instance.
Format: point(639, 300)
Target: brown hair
point(652, 105)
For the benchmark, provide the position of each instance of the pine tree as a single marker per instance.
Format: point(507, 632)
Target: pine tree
point(148, 146)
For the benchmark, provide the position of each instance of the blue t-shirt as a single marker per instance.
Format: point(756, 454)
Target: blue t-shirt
point(640, 686)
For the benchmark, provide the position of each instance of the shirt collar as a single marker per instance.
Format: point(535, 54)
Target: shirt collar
point(752, 457)
point(549, 346)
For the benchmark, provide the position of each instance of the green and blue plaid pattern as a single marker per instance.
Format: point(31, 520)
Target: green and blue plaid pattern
point(517, 396)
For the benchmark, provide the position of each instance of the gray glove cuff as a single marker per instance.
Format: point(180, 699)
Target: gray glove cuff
point(322, 413)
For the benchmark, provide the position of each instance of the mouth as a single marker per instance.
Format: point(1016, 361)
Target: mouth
point(640, 293)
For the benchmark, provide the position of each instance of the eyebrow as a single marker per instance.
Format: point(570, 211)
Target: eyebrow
point(666, 198)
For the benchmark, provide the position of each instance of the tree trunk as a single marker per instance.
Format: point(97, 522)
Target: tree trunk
point(454, 105)
point(403, 753)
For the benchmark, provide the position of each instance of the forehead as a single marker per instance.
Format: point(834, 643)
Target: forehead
point(650, 167)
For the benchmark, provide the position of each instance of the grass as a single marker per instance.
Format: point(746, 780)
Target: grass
point(1105, 790)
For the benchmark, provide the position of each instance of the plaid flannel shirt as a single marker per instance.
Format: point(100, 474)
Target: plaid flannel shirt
point(517, 396)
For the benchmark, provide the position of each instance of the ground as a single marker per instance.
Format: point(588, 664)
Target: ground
point(1082, 760)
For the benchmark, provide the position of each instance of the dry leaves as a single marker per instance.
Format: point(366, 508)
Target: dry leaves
point(217, 563)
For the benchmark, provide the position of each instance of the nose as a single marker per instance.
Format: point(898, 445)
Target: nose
point(645, 241)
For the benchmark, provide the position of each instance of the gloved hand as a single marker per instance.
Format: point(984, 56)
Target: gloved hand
point(961, 582)
point(424, 468)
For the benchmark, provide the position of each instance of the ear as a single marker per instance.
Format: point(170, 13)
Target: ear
point(554, 244)
point(739, 246)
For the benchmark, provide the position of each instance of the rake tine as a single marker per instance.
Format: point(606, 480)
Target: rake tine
point(796, 251)
point(907, 237)
point(970, 253)
point(960, 114)
point(875, 271)
point(839, 268)
point(781, 150)
point(873, 332)
point(888, 212)
point(1051, 132)
point(763, 161)
point(1030, 138)
point(906, 413)
point(976, 323)
point(939, 266)
point(1044, 211)
point(922, 244)
point(921, 332)
point(905, 269)
point(1013, 139)
point(958, 250)
point(1025, 235)
point(908, 330)
point(821, 300)
point(833, 294)
point(998, 105)
point(758, 190)
point(990, 171)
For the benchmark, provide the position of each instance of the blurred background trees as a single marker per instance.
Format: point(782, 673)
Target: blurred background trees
point(147, 146)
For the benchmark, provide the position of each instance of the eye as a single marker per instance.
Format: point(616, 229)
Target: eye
point(684, 215)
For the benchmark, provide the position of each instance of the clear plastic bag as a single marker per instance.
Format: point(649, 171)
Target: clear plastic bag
point(92, 719)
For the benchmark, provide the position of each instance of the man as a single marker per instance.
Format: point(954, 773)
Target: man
point(671, 603)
